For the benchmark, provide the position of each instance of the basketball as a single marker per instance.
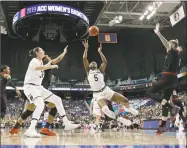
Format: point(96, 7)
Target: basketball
point(93, 31)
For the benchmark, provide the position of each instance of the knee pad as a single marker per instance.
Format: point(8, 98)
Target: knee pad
point(31, 107)
point(53, 112)
point(51, 105)
point(165, 110)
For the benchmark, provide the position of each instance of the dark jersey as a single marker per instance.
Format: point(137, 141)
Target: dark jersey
point(171, 63)
point(3, 83)
point(47, 78)
point(183, 58)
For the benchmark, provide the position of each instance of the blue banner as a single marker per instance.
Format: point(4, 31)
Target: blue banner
point(107, 38)
point(50, 8)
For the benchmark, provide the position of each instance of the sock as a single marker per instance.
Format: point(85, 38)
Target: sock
point(33, 124)
point(162, 123)
point(49, 121)
point(18, 123)
point(47, 125)
point(108, 112)
point(65, 119)
point(26, 114)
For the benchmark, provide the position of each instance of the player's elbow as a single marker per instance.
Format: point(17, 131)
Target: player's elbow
point(104, 62)
point(84, 57)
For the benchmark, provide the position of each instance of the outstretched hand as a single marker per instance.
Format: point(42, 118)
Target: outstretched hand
point(100, 48)
point(157, 28)
point(85, 43)
point(18, 93)
point(65, 49)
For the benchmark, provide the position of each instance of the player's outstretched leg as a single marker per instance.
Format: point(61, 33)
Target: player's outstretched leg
point(104, 106)
point(60, 108)
point(31, 132)
point(52, 114)
point(120, 99)
point(28, 112)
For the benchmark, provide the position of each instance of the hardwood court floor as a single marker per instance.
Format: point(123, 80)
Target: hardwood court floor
point(81, 138)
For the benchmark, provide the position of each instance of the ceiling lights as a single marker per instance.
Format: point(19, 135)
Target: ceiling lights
point(151, 10)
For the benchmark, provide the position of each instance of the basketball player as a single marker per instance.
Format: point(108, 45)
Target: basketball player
point(100, 90)
point(37, 94)
point(5, 79)
point(176, 101)
point(167, 81)
point(29, 107)
point(97, 113)
point(182, 59)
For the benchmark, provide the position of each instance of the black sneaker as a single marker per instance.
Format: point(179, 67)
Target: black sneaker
point(175, 110)
point(161, 130)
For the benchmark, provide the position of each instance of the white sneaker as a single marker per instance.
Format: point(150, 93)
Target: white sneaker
point(32, 133)
point(69, 126)
point(124, 121)
point(131, 110)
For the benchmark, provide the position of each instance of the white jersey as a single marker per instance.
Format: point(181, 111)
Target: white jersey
point(34, 76)
point(96, 80)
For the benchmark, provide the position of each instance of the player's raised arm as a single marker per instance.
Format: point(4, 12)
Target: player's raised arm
point(46, 67)
point(102, 67)
point(164, 41)
point(38, 54)
point(85, 60)
point(60, 57)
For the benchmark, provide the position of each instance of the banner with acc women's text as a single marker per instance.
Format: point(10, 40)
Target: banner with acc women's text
point(49, 8)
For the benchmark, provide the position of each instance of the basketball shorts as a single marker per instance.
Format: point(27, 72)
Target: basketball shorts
point(106, 94)
point(33, 92)
point(96, 109)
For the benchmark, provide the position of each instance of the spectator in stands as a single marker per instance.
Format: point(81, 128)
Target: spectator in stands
point(129, 81)
point(152, 75)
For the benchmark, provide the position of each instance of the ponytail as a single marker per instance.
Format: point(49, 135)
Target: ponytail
point(32, 52)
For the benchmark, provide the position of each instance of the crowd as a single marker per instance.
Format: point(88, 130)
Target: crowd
point(78, 111)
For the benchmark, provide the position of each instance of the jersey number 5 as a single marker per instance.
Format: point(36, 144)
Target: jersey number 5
point(95, 77)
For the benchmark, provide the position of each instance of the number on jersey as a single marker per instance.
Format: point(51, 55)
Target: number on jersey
point(95, 77)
